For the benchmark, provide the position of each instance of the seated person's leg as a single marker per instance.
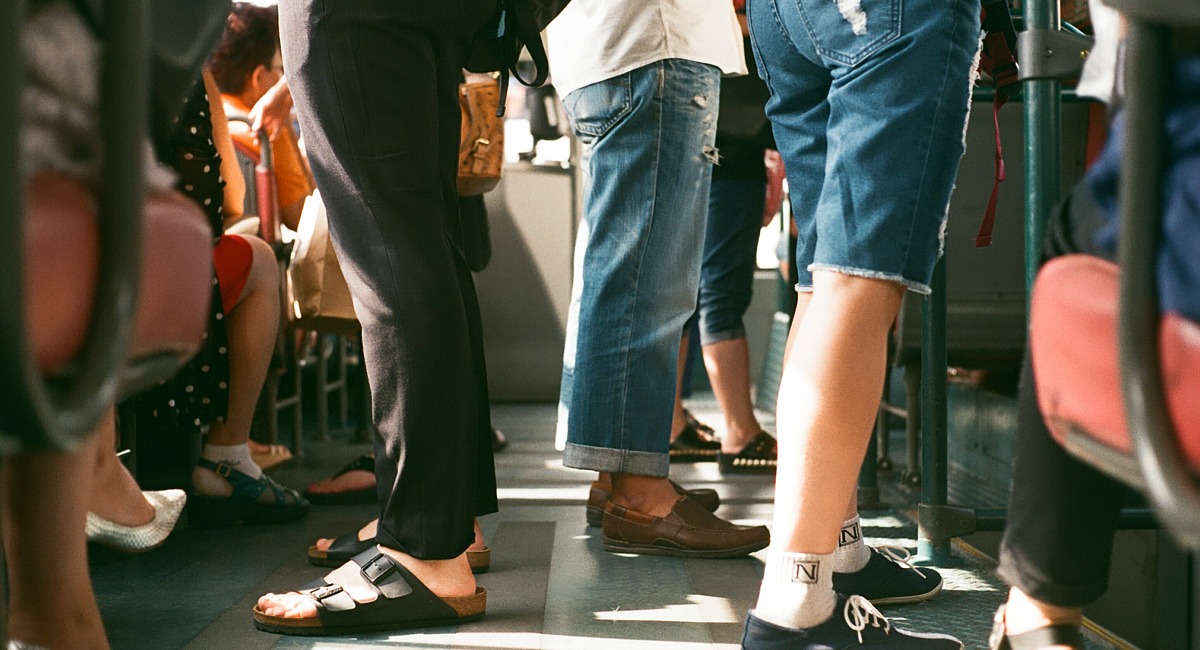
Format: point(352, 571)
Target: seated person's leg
point(45, 496)
point(252, 322)
point(120, 515)
point(1062, 513)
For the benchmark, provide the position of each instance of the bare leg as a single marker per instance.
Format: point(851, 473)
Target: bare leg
point(1024, 614)
point(678, 417)
point(115, 495)
point(832, 381)
point(728, 365)
point(650, 495)
point(44, 507)
point(252, 326)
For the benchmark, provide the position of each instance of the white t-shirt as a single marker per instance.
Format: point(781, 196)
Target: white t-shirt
point(594, 40)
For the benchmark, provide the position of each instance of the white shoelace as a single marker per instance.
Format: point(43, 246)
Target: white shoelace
point(859, 612)
point(893, 553)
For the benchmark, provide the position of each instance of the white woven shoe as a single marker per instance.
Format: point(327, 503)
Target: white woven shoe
point(168, 504)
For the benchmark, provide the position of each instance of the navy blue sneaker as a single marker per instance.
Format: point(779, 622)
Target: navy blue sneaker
point(888, 579)
point(855, 624)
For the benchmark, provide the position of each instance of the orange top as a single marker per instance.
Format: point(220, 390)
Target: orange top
point(293, 180)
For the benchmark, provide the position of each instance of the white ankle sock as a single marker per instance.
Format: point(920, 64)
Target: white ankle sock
point(797, 589)
point(236, 456)
point(852, 553)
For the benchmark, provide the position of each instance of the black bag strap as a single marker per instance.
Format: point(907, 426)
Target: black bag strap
point(518, 25)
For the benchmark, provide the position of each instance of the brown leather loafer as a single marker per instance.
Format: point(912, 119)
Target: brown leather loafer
point(688, 531)
point(599, 496)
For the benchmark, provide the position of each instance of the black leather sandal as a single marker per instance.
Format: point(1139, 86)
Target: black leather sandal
point(695, 443)
point(372, 593)
point(759, 456)
point(365, 463)
point(345, 547)
point(1063, 634)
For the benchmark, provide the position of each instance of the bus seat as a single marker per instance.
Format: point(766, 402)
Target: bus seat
point(1073, 343)
point(62, 258)
point(1119, 379)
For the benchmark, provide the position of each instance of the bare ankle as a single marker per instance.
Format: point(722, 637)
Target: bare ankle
point(649, 495)
point(55, 628)
point(1023, 613)
point(445, 578)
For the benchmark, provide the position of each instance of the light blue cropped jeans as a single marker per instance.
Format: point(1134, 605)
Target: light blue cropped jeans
point(649, 147)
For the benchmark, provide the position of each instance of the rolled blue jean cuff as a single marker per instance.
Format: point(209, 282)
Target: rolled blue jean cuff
point(621, 461)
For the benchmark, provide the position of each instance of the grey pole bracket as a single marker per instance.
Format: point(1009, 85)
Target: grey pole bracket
point(1052, 54)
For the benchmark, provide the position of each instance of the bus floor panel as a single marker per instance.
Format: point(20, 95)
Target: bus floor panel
point(551, 585)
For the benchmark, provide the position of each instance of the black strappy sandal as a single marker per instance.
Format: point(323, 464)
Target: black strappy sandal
point(759, 456)
point(1063, 634)
point(345, 547)
point(696, 443)
point(246, 504)
point(364, 463)
point(373, 593)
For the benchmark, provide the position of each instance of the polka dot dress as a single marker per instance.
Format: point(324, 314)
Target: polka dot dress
point(199, 394)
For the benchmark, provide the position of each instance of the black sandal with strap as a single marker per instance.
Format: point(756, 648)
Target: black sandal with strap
point(694, 443)
point(364, 463)
point(1063, 634)
point(373, 593)
point(759, 456)
point(345, 547)
point(246, 504)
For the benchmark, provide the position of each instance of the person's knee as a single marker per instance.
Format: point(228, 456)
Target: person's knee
point(264, 268)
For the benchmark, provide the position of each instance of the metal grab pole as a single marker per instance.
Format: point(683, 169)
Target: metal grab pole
point(1043, 143)
point(933, 546)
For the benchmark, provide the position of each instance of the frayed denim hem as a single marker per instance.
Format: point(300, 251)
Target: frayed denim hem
point(911, 285)
point(621, 461)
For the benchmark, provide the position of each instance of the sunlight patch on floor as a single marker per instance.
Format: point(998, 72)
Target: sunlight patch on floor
point(526, 641)
point(572, 494)
point(700, 609)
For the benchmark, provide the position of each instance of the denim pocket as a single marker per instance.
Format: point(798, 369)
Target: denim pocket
point(595, 108)
point(849, 31)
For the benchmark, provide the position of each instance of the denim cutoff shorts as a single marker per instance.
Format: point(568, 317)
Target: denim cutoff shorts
point(869, 102)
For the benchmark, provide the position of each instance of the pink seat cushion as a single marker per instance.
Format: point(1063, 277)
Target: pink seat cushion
point(62, 259)
point(1073, 342)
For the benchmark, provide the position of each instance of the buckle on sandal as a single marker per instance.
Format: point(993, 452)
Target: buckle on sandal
point(321, 593)
point(378, 569)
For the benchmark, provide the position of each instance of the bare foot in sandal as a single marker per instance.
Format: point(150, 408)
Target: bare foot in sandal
point(368, 532)
point(354, 483)
point(334, 552)
point(447, 579)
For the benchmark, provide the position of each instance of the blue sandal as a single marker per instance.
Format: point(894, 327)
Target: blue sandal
point(246, 504)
